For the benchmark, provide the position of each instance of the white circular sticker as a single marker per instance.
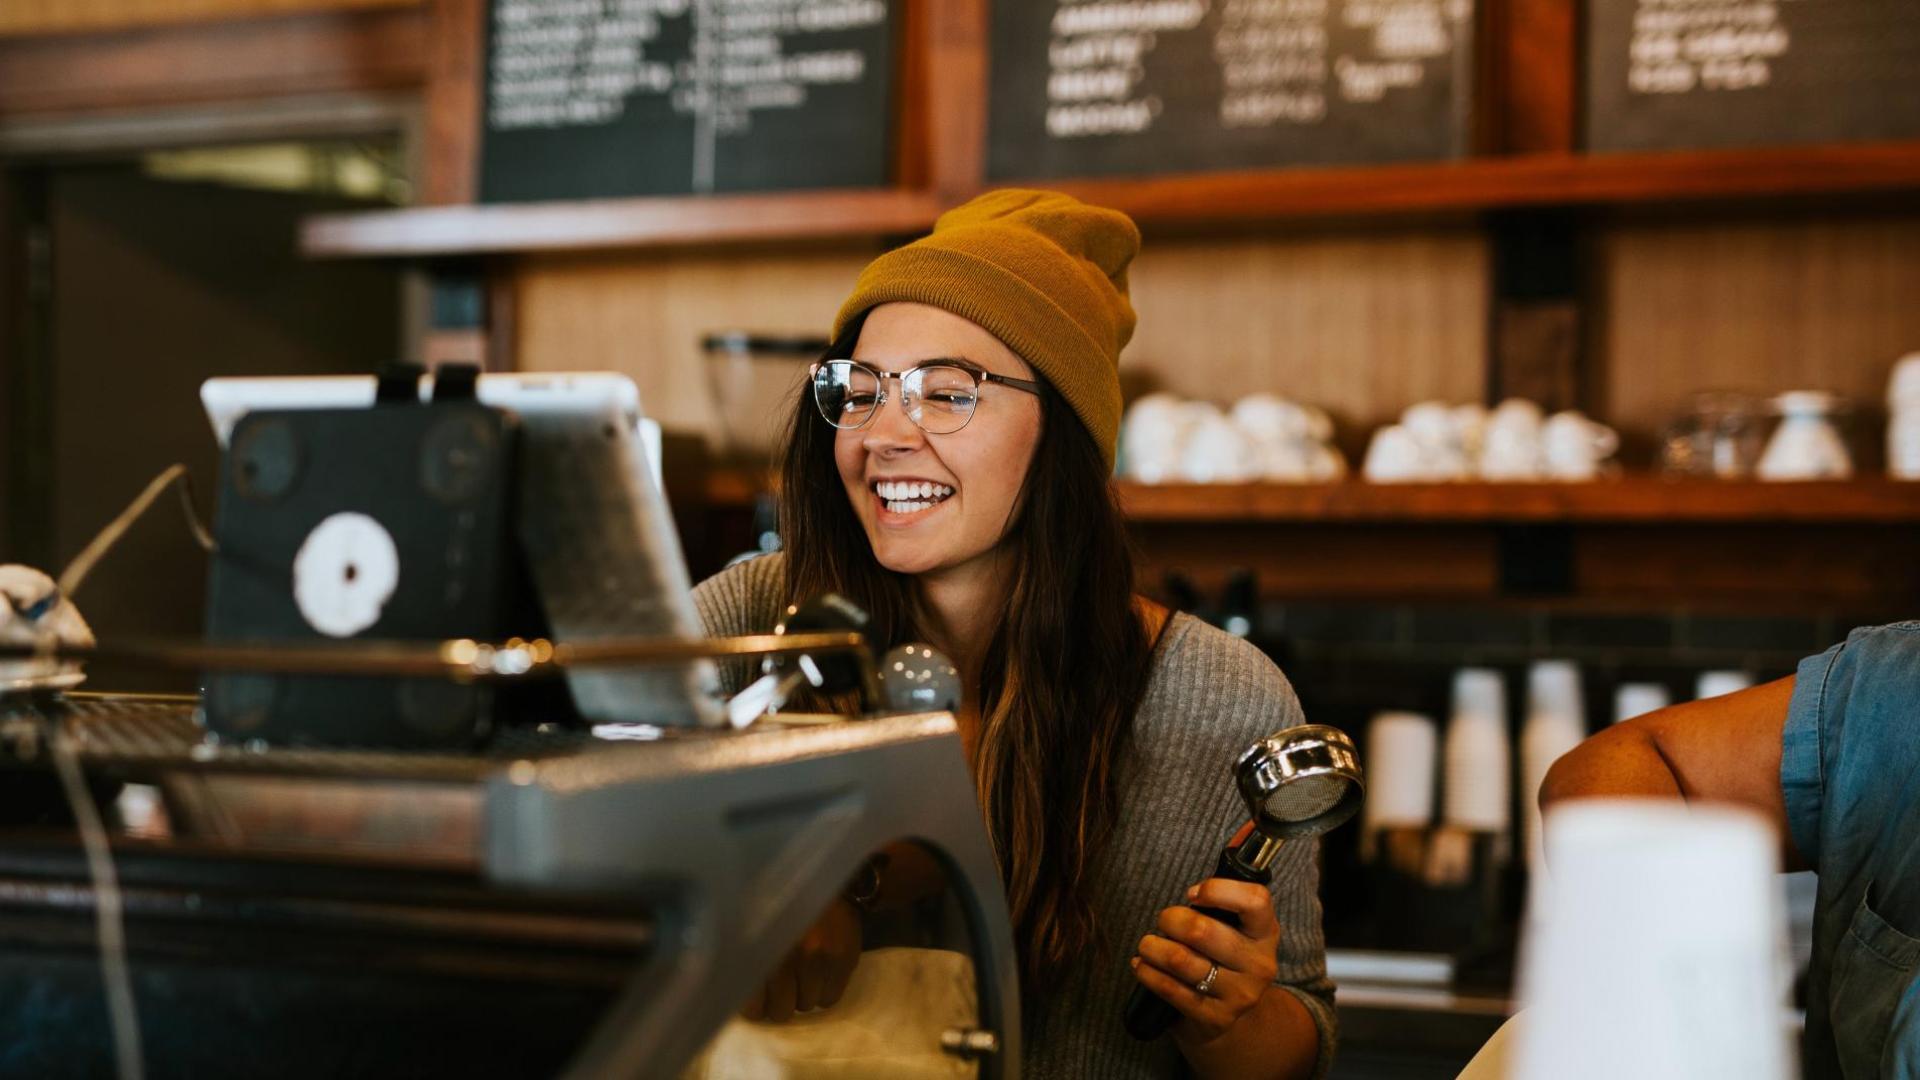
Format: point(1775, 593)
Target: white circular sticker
point(345, 573)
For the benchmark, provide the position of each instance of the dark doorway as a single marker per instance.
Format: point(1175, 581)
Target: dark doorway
point(146, 281)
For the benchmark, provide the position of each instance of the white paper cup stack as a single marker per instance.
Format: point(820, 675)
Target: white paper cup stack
point(1479, 755)
point(1659, 949)
point(1402, 750)
point(1715, 683)
point(1638, 699)
point(1556, 722)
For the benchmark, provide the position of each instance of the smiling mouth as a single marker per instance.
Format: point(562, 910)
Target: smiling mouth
point(910, 497)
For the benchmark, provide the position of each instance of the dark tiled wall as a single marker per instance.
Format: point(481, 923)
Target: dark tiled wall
point(1349, 660)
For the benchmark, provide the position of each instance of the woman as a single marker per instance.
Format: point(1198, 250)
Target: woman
point(948, 469)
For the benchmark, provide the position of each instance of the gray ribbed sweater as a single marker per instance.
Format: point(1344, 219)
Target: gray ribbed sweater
point(1211, 695)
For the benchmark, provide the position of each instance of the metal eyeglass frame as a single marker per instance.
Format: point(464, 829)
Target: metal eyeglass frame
point(980, 375)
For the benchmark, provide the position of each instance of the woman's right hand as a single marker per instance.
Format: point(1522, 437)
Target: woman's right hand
point(816, 972)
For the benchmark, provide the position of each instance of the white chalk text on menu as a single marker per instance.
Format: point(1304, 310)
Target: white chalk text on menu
point(1675, 74)
point(1089, 87)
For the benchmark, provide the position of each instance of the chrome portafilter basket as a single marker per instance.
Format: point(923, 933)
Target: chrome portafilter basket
point(1300, 782)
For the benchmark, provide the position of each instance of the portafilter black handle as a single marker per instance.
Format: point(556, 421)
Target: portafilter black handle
point(1148, 1015)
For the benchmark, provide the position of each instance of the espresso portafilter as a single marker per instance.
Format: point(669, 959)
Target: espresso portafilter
point(1297, 783)
point(827, 672)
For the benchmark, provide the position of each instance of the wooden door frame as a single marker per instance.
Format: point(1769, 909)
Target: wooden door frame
point(78, 97)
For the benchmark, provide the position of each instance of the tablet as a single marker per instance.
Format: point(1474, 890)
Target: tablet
point(592, 518)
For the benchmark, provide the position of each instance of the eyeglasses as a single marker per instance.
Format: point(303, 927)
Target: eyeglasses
point(939, 395)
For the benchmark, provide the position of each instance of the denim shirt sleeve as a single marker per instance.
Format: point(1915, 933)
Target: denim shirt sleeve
point(1802, 772)
point(1846, 728)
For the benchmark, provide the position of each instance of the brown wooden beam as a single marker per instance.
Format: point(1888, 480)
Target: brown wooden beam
point(912, 118)
point(954, 40)
point(451, 165)
point(195, 63)
point(1534, 65)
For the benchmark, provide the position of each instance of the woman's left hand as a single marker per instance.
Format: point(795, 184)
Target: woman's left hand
point(1176, 959)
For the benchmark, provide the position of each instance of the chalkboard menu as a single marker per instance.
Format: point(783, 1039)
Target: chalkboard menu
point(603, 98)
point(1106, 87)
point(1672, 74)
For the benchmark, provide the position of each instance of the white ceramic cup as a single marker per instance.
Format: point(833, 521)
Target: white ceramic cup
point(1510, 445)
point(1431, 422)
point(1903, 386)
point(1573, 447)
point(1282, 461)
point(1656, 949)
point(1325, 463)
point(1470, 426)
point(1434, 428)
point(1805, 446)
point(1269, 416)
point(1152, 436)
point(1516, 412)
point(1903, 443)
point(1216, 451)
point(1393, 457)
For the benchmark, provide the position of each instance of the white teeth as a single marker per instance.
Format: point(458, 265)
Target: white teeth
point(915, 491)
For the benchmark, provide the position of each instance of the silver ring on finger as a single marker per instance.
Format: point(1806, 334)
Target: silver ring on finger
point(1205, 986)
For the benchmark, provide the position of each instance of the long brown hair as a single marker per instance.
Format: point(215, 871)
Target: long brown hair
point(1060, 679)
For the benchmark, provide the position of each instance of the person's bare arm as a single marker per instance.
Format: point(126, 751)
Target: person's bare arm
point(1724, 749)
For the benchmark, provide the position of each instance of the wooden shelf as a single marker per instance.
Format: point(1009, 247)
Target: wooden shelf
point(1496, 183)
point(1633, 500)
point(619, 223)
point(1156, 202)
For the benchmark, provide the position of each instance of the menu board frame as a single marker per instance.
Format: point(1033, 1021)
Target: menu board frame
point(675, 104)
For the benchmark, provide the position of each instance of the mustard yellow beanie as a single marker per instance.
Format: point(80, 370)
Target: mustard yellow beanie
point(1043, 272)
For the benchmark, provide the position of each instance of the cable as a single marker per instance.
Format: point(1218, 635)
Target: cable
point(108, 911)
point(83, 563)
point(108, 915)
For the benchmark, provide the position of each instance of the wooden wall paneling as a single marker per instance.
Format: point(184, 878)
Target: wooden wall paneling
point(1535, 344)
point(26, 369)
point(502, 347)
point(373, 50)
point(1380, 562)
point(956, 69)
point(645, 315)
point(1777, 568)
point(450, 165)
point(1867, 568)
point(92, 16)
point(1759, 305)
point(1362, 325)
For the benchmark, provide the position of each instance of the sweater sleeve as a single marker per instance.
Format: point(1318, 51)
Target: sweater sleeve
point(742, 599)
